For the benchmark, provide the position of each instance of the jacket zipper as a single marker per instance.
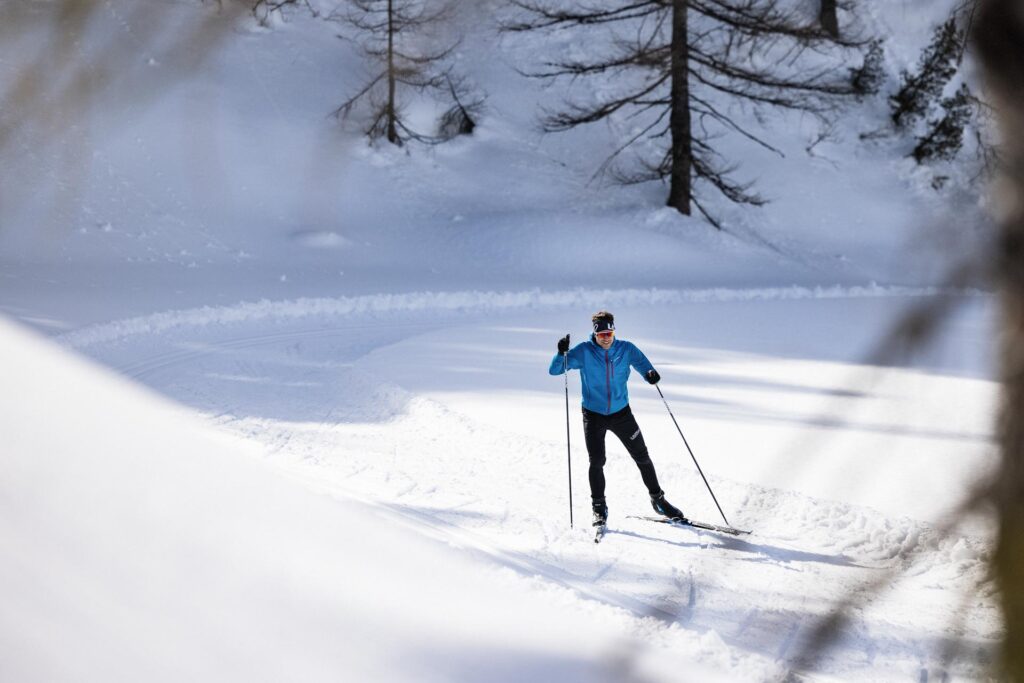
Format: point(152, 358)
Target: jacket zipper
point(608, 379)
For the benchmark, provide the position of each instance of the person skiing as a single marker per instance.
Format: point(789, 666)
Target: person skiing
point(604, 363)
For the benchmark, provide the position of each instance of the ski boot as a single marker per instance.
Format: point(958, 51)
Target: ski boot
point(663, 507)
point(600, 520)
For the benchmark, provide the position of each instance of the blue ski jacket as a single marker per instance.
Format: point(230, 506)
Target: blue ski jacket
point(603, 374)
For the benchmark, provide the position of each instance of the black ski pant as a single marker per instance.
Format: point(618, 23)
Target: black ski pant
point(623, 425)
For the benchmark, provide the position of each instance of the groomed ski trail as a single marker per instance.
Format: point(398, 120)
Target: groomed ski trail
point(330, 455)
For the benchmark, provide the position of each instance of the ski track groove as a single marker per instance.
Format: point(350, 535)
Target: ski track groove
point(438, 529)
point(527, 566)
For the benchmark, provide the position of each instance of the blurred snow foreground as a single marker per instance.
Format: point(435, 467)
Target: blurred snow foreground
point(139, 544)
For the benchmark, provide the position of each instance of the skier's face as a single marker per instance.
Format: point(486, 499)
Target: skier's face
point(605, 339)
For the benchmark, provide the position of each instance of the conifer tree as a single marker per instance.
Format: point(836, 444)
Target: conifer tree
point(945, 135)
point(937, 66)
point(672, 67)
point(939, 121)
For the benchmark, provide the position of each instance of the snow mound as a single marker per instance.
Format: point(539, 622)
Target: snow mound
point(166, 551)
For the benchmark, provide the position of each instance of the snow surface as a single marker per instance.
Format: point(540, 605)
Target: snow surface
point(293, 420)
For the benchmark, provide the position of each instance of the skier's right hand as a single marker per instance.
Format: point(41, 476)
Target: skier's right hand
point(563, 344)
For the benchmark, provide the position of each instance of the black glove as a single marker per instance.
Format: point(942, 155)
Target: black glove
point(652, 376)
point(563, 344)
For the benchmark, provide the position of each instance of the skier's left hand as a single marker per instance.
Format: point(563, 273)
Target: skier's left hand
point(652, 376)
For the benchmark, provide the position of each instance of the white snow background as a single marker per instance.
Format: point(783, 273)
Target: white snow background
point(275, 402)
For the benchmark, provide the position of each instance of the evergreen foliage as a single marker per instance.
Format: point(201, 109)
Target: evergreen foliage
point(937, 66)
point(945, 135)
point(868, 78)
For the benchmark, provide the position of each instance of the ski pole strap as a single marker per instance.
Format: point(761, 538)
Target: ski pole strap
point(692, 456)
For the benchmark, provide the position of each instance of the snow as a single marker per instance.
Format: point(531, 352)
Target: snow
point(168, 550)
point(275, 402)
point(468, 301)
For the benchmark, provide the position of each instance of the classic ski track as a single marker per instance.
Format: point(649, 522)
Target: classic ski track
point(437, 529)
point(433, 527)
point(450, 534)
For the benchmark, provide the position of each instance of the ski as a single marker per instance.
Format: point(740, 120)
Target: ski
point(599, 532)
point(732, 531)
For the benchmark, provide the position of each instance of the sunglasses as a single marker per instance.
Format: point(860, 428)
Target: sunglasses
point(604, 335)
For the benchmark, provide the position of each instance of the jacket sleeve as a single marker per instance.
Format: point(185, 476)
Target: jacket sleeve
point(639, 361)
point(575, 361)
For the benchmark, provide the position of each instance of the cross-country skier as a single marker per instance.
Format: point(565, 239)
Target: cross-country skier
point(604, 363)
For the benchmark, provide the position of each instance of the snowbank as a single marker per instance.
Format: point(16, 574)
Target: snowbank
point(141, 545)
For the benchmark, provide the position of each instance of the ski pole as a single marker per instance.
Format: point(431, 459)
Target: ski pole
point(568, 450)
point(692, 455)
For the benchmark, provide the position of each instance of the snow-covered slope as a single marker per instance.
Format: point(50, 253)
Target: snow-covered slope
point(141, 544)
point(438, 410)
point(183, 184)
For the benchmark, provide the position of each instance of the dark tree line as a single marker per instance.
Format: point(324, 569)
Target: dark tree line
point(679, 65)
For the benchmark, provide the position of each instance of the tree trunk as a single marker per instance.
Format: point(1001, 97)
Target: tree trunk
point(392, 113)
point(999, 37)
point(681, 152)
point(827, 17)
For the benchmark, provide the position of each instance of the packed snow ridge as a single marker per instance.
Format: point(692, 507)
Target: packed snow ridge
point(469, 301)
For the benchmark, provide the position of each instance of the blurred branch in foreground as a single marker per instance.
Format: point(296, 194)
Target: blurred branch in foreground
point(999, 36)
point(999, 39)
point(77, 52)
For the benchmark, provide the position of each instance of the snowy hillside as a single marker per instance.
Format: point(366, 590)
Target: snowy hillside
point(293, 419)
